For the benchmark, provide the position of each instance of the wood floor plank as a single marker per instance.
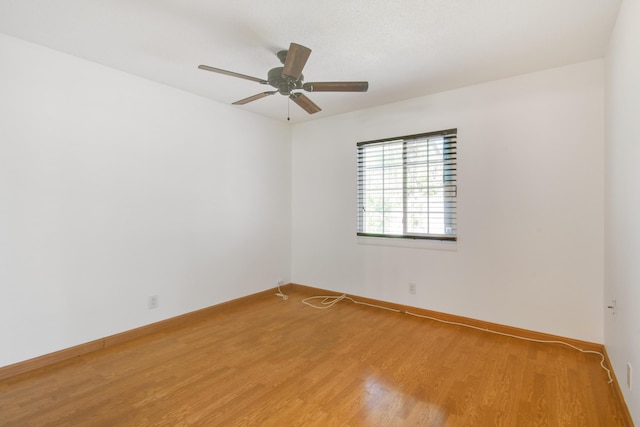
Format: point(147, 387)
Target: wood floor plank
point(271, 362)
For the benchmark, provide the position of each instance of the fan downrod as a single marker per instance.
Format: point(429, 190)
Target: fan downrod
point(282, 56)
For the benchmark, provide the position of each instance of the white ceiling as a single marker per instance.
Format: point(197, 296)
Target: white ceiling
point(404, 48)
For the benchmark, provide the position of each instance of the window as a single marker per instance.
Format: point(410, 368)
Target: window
point(407, 187)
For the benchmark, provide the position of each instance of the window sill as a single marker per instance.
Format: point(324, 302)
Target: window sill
point(439, 245)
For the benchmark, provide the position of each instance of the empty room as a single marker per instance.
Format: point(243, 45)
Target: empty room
point(330, 213)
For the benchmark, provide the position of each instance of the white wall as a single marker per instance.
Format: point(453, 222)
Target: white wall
point(531, 190)
point(622, 329)
point(114, 188)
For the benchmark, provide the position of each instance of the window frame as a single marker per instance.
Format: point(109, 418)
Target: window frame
point(449, 186)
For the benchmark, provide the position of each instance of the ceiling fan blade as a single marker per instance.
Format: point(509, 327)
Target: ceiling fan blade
point(305, 103)
point(336, 86)
point(232, 74)
point(254, 98)
point(296, 59)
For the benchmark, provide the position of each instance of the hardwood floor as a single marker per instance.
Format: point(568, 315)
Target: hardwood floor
point(280, 363)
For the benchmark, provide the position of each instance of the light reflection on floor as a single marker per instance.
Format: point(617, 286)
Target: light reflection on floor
point(387, 405)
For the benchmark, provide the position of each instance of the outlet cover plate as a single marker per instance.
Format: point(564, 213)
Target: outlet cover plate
point(152, 302)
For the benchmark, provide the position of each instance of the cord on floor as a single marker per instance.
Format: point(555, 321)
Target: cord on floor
point(330, 301)
point(281, 295)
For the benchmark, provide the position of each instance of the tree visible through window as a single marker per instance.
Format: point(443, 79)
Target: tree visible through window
point(407, 186)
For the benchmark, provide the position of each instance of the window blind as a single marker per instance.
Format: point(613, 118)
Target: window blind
point(407, 186)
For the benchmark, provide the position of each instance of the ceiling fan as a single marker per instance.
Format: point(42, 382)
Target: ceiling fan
point(288, 80)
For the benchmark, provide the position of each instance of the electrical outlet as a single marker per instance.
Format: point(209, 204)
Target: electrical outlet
point(152, 302)
point(412, 288)
point(612, 306)
point(629, 376)
point(280, 282)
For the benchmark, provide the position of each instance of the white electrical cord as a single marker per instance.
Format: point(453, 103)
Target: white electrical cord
point(281, 295)
point(330, 301)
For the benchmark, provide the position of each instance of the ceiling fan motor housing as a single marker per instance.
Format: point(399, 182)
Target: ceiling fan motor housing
point(283, 84)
